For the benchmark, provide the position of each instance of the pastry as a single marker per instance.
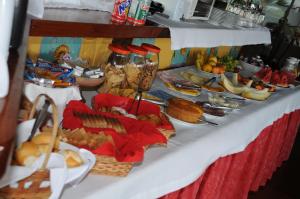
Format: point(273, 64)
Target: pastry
point(44, 138)
point(27, 153)
point(72, 158)
point(184, 110)
point(99, 121)
point(79, 137)
point(152, 118)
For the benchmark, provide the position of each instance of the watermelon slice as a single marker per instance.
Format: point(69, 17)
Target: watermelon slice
point(275, 77)
point(291, 76)
point(261, 73)
point(267, 77)
point(284, 81)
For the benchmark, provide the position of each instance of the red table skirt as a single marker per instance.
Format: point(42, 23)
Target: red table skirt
point(233, 176)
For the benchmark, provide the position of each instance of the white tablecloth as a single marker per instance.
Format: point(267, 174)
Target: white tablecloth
point(190, 152)
point(61, 96)
point(203, 34)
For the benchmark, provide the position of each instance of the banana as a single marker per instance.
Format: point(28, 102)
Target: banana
point(235, 89)
point(260, 95)
point(235, 80)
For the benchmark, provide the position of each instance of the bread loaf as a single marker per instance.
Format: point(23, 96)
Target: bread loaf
point(184, 110)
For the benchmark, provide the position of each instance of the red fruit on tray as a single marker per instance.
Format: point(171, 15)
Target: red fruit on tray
point(267, 77)
point(275, 77)
point(284, 81)
point(291, 76)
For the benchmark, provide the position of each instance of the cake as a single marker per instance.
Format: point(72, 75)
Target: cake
point(184, 110)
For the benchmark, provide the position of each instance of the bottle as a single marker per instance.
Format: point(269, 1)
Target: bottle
point(120, 11)
point(138, 12)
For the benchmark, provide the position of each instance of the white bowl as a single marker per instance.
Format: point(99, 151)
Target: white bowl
point(249, 68)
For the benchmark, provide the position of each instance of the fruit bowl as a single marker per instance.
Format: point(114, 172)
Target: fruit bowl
point(249, 68)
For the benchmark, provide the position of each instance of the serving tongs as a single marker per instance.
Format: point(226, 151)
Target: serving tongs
point(41, 118)
point(210, 105)
point(194, 86)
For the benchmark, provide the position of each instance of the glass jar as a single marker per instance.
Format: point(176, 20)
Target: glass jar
point(119, 56)
point(134, 70)
point(291, 65)
point(115, 76)
point(151, 67)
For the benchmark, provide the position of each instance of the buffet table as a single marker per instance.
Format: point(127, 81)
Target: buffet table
point(194, 149)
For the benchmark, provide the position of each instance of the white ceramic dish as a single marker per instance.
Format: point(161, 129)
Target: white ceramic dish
point(174, 120)
point(249, 68)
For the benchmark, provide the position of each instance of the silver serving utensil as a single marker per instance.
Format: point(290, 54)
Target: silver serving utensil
point(179, 85)
point(208, 104)
point(160, 103)
point(42, 116)
point(235, 98)
point(210, 80)
point(208, 122)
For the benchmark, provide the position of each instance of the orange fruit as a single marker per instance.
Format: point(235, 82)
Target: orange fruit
point(222, 69)
point(216, 70)
point(207, 68)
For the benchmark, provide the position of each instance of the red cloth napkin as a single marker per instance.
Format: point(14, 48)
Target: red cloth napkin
point(146, 108)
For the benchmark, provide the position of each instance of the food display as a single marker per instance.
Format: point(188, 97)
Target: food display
point(257, 84)
point(185, 91)
point(210, 66)
point(99, 121)
point(244, 90)
point(130, 69)
point(214, 65)
point(79, 137)
point(48, 74)
point(124, 106)
point(204, 83)
point(277, 78)
point(191, 76)
point(184, 110)
point(62, 72)
point(219, 100)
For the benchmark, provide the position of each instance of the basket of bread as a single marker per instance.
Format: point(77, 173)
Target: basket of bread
point(40, 153)
point(117, 137)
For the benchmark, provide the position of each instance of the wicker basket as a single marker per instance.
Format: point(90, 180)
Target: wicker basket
point(34, 191)
point(110, 166)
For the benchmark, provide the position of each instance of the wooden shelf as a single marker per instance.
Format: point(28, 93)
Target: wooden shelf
point(9, 106)
point(84, 23)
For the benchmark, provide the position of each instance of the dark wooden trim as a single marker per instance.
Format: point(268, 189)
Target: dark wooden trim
point(11, 103)
point(77, 29)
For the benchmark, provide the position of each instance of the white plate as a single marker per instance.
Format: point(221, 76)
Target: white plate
point(183, 122)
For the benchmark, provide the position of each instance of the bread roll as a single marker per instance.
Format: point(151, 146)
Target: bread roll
point(72, 158)
point(45, 138)
point(27, 153)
